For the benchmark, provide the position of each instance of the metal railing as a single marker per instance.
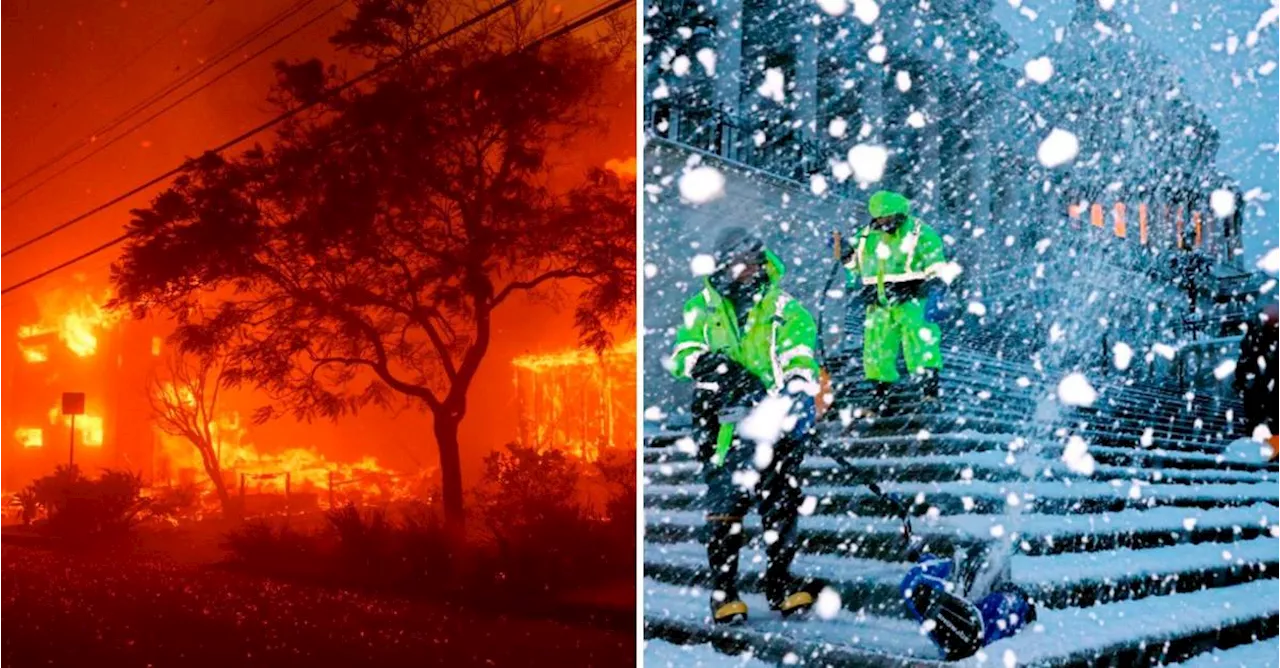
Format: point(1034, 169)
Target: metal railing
point(778, 149)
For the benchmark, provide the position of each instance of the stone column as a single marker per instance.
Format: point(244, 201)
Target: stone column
point(870, 104)
point(806, 90)
point(927, 169)
point(728, 81)
point(980, 185)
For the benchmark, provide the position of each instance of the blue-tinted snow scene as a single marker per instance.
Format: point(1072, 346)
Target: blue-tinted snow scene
point(960, 333)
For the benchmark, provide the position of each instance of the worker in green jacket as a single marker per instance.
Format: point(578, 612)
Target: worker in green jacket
point(746, 343)
point(893, 262)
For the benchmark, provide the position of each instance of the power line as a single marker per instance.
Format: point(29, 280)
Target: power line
point(163, 110)
point(583, 20)
point(140, 106)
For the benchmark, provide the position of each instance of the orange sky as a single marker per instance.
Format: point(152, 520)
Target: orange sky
point(70, 66)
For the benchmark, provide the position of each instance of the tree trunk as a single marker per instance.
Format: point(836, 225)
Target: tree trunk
point(446, 429)
point(214, 471)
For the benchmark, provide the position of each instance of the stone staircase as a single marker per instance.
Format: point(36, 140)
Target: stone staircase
point(1168, 551)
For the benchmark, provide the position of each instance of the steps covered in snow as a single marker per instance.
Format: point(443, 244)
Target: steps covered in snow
point(1166, 552)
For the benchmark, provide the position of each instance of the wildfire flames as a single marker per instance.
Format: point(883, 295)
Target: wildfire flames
point(75, 316)
point(301, 472)
point(577, 400)
point(88, 427)
point(70, 327)
point(30, 437)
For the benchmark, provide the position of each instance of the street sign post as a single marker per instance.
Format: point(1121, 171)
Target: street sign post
point(73, 405)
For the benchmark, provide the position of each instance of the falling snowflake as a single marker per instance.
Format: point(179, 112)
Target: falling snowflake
point(1077, 457)
point(774, 86)
point(703, 265)
point(1223, 203)
point(1122, 355)
point(1057, 149)
point(1074, 390)
point(1039, 69)
point(866, 11)
point(828, 604)
point(702, 184)
point(833, 7)
point(868, 162)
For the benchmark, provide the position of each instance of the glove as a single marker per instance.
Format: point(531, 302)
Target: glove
point(737, 385)
point(904, 291)
point(707, 368)
point(805, 410)
point(869, 294)
point(846, 249)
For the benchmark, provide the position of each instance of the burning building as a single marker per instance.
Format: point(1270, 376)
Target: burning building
point(578, 401)
point(69, 342)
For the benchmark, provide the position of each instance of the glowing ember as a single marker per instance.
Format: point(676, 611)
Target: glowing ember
point(30, 437)
point(578, 401)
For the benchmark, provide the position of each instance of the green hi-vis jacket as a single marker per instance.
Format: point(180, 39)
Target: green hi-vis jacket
point(914, 252)
point(776, 344)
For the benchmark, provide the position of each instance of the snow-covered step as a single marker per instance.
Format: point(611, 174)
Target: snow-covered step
point(980, 496)
point(1085, 578)
point(862, 470)
point(1132, 632)
point(1157, 628)
point(1159, 457)
point(1058, 581)
point(663, 654)
point(1263, 653)
point(681, 615)
point(1033, 533)
point(990, 466)
point(967, 441)
point(869, 585)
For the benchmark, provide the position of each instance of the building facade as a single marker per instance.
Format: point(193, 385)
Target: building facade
point(1123, 243)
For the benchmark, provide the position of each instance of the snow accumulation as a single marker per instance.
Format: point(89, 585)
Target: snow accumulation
point(1261, 654)
point(663, 654)
point(1087, 632)
point(880, 635)
point(1248, 450)
point(1032, 526)
point(1115, 565)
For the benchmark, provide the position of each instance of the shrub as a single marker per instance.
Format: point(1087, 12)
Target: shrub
point(544, 537)
point(175, 502)
point(424, 546)
point(79, 507)
point(29, 506)
point(261, 545)
point(364, 539)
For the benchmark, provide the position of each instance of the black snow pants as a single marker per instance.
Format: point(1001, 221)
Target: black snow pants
point(736, 486)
